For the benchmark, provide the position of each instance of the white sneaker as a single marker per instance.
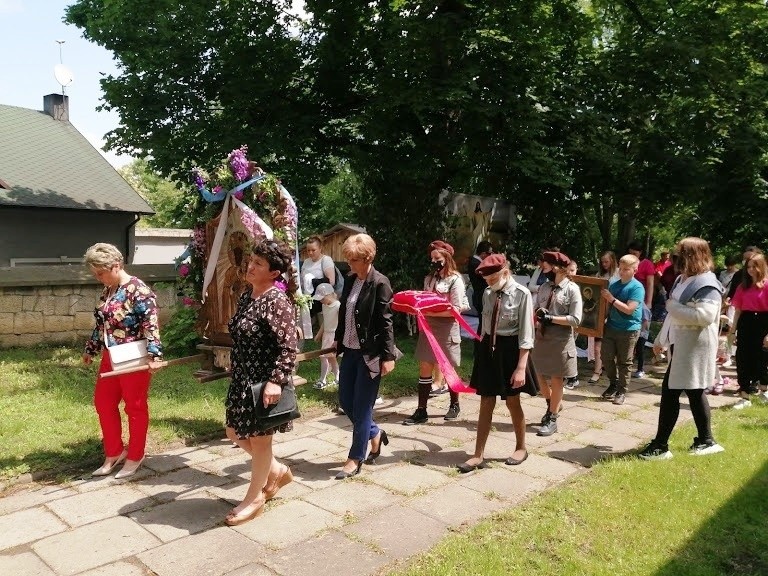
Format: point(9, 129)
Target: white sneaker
point(705, 449)
point(638, 374)
point(763, 396)
point(741, 404)
point(727, 363)
point(379, 400)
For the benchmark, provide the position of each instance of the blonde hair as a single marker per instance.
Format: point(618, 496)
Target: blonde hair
point(103, 255)
point(359, 246)
point(613, 265)
point(694, 256)
point(629, 260)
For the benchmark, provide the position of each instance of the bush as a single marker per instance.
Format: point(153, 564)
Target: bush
point(179, 335)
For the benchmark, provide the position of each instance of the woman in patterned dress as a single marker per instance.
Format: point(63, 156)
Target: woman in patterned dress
point(264, 340)
point(127, 312)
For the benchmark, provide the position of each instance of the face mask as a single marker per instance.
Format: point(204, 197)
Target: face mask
point(499, 284)
point(436, 266)
point(550, 275)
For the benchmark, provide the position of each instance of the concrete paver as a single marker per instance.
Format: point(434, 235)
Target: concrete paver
point(168, 519)
point(94, 545)
point(27, 526)
point(210, 553)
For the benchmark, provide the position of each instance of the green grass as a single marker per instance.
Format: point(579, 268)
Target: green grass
point(49, 426)
point(689, 516)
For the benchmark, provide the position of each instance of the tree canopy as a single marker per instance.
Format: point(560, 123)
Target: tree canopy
point(600, 120)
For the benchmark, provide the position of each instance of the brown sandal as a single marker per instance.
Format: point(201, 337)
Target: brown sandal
point(285, 477)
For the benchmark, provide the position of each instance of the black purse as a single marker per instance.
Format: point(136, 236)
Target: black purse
point(274, 415)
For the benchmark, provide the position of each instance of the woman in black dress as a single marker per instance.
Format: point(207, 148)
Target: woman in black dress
point(264, 337)
point(501, 358)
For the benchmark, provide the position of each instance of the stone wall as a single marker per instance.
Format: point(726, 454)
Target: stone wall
point(54, 304)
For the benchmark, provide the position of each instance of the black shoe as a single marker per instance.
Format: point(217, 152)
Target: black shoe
point(466, 468)
point(572, 383)
point(511, 461)
point(549, 427)
point(343, 475)
point(438, 391)
point(655, 451)
point(453, 412)
point(610, 391)
point(618, 399)
point(546, 416)
point(383, 440)
point(418, 417)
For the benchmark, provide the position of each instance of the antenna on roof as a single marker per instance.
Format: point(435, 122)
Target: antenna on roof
point(63, 74)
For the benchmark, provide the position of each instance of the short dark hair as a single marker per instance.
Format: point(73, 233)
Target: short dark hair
point(754, 249)
point(637, 246)
point(484, 246)
point(277, 254)
point(732, 260)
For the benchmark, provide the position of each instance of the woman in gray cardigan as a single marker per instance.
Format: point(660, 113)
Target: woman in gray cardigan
point(690, 332)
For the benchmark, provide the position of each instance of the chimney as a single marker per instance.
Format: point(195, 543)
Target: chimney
point(56, 106)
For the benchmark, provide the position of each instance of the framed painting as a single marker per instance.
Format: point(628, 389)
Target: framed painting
point(594, 307)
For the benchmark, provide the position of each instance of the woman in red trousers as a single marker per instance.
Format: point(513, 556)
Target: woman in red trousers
point(127, 311)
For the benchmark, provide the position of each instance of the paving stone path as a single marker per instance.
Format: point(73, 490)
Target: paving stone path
point(168, 519)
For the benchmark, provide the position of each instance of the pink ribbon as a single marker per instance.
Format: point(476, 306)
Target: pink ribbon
point(455, 383)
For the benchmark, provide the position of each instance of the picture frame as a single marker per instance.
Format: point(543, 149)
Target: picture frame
point(594, 307)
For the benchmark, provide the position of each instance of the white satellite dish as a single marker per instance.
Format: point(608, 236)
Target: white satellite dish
point(63, 75)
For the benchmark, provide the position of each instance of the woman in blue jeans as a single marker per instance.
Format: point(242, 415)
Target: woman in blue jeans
point(365, 336)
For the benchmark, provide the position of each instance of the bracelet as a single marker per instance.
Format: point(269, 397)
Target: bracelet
point(613, 302)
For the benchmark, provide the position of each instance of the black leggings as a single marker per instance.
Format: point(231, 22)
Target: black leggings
point(751, 359)
point(670, 410)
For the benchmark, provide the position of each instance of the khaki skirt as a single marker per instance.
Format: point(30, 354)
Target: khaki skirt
point(448, 336)
point(554, 352)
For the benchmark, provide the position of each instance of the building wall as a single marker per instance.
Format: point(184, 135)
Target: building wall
point(51, 233)
point(160, 245)
point(54, 304)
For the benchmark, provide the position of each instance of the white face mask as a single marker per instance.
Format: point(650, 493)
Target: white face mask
point(499, 284)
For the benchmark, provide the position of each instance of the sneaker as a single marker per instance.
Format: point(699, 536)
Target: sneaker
point(638, 374)
point(741, 404)
point(763, 396)
point(546, 416)
point(655, 452)
point(594, 379)
point(699, 448)
point(438, 391)
point(618, 399)
point(319, 385)
point(610, 391)
point(572, 383)
point(379, 400)
point(549, 427)
point(453, 412)
point(727, 364)
point(418, 417)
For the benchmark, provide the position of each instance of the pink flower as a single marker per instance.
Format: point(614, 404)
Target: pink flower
point(188, 302)
point(216, 189)
point(239, 194)
point(280, 285)
point(238, 163)
point(184, 270)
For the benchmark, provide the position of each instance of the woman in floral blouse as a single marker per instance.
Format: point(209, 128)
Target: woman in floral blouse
point(126, 312)
point(264, 341)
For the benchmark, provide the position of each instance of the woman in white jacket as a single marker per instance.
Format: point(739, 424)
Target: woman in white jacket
point(690, 332)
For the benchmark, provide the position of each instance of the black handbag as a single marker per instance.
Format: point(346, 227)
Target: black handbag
point(274, 415)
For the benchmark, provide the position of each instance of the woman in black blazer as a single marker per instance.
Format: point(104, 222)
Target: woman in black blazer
point(366, 338)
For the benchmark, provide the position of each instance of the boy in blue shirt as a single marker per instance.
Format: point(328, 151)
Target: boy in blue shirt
point(625, 299)
point(642, 338)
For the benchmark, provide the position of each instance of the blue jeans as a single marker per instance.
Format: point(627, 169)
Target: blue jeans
point(357, 393)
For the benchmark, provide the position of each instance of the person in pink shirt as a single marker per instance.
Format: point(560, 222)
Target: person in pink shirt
point(663, 263)
point(750, 322)
point(646, 271)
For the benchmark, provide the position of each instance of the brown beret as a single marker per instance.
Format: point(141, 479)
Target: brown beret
point(491, 264)
point(556, 259)
point(440, 245)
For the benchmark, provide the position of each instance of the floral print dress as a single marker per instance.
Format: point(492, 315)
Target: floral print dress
point(129, 314)
point(264, 341)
